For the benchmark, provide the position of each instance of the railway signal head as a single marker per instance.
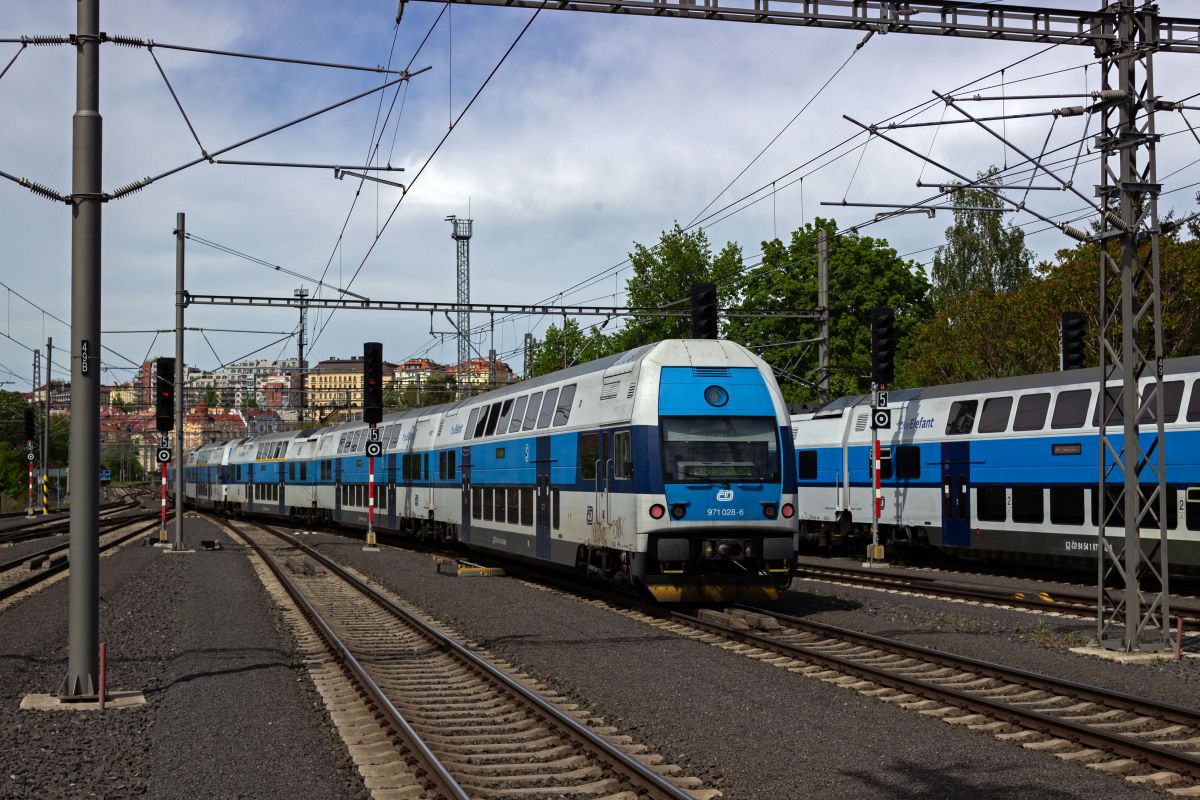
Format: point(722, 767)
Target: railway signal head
point(164, 394)
point(1073, 326)
point(883, 344)
point(30, 424)
point(704, 311)
point(372, 382)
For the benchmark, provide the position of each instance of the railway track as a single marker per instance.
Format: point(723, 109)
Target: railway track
point(60, 524)
point(1061, 601)
point(467, 727)
point(46, 563)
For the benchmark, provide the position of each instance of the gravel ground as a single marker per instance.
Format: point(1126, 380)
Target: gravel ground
point(1037, 642)
point(22, 549)
point(228, 713)
point(752, 730)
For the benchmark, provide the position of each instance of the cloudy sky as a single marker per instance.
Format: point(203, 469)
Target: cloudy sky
point(598, 131)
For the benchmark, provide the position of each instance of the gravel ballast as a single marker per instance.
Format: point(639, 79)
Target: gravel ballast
point(752, 730)
point(229, 712)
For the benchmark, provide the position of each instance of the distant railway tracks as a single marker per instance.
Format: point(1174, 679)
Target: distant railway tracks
point(31, 569)
point(463, 725)
point(38, 527)
point(1067, 602)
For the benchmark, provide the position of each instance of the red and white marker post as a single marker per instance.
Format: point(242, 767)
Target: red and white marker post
point(162, 528)
point(29, 460)
point(875, 552)
point(371, 493)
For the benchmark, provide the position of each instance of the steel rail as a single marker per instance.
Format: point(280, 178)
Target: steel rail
point(658, 786)
point(437, 773)
point(64, 564)
point(106, 526)
point(1110, 742)
point(47, 527)
point(1063, 602)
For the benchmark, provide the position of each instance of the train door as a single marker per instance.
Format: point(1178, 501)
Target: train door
point(956, 494)
point(464, 530)
point(542, 504)
point(280, 488)
point(337, 490)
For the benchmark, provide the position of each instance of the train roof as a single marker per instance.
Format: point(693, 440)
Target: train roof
point(1016, 383)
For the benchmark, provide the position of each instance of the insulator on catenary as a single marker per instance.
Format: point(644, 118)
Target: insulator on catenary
point(130, 188)
point(44, 191)
point(130, 41)
point(39, 40)
point(1115, 220)
point(1074, 232)
point(1110, 94)
point(1069, 111)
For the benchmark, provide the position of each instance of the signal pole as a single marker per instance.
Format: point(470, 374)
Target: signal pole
point(46, 432)
point(180, 304)
point(823, 308)
point(883, 351)
point(302, 294)
point(372, 398)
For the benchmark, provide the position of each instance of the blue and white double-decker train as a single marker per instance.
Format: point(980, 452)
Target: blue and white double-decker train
point(667, 467)
point(1004, 468)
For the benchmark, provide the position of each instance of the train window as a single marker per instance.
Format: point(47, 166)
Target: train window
point(1070, 411)
point(885, 463)
point(501, 504)
point(1066, 505)
point(303, 470)
point(1193, 412)
point(622, 455)
point(962, 417)
point(406, 466)
point(547, 409)
point(562, 412)
point(1172, 397)
point(1028, 504)
point(554, 512)
point(908, 461)
point(450, 457)
point(469, 431)
point(476, 502)
point(506, 411)
point(395, 437)
point(994, 418)
point(518, 414)
point(492, 418)
point(589, 454)
point(488, 508)
point(527, 507)
point(1031, 412)
point(991, 503)
point(1192, 514)
point(1150, 519)
point(514, 506)
point(442, 465)
point(425, 472)
point(481, 423)
point(806, 465)
point(1114, 414)
point(531, 413)
point(292, 471)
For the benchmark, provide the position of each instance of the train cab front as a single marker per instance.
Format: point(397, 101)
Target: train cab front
point(723, 528)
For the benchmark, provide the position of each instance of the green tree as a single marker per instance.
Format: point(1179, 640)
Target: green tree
point(210, 397)
point(437, 389)
point(982, 254)
point(250, 402)
point(980, 335)
point(863, 273)
point(571, 344)
point(663, 276)
point(120, 457)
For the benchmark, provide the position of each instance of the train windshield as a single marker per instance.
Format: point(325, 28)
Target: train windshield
point(720, 449)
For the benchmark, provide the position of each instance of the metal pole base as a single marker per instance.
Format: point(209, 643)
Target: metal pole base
point(372, 545)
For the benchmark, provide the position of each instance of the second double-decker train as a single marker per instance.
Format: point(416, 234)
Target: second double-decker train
point(1005, 468)
point(667, 467)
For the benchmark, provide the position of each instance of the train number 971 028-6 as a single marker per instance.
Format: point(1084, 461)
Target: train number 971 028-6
point(726, 512)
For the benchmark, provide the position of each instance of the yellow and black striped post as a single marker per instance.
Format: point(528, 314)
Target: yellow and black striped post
point(45, 494)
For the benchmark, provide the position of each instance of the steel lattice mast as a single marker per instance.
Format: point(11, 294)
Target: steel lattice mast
point(460, 232)
point(1124, 39)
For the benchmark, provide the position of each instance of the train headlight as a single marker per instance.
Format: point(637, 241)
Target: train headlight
point(716, 396)
point(657, 511)
point(678, 511)
point(769, 510)
point(788, 510)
